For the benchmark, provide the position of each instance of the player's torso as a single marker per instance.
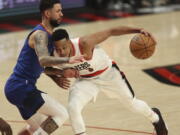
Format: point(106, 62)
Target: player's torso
point(28, 65)
point(99, 62)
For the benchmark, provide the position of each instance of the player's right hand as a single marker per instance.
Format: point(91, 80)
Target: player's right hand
point(5, 127)
point(76, 59)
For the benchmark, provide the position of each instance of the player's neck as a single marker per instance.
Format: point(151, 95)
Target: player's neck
point(47, 26)
point(72, 50)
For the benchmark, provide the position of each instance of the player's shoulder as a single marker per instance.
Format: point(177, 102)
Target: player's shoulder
point(76, 39)
point(38, 32)
point(32, 38)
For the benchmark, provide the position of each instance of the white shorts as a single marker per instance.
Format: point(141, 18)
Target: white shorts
point(111, 83)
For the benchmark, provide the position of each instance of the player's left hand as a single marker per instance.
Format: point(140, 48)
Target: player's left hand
point(5, 128)
point(70, 73)
point(146, 33)
point(62, 82)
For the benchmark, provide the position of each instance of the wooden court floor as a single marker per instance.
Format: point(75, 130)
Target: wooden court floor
point(108, 116)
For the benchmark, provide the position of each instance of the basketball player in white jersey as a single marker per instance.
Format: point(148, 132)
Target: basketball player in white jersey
point(98, 72)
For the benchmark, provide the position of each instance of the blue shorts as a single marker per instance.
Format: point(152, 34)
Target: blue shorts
point(24, 95)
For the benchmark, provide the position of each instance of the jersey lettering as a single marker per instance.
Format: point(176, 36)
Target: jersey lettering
point(83, 66)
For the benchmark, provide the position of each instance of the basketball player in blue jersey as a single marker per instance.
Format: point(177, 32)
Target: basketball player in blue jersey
point(98, 72)
point(20, 88)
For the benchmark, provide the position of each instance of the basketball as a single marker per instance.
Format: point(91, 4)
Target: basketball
point(142, 46)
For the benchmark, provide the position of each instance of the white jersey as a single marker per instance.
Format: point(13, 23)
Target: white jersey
point(99, 63)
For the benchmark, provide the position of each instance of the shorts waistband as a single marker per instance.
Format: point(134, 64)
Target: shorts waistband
point(19, 77)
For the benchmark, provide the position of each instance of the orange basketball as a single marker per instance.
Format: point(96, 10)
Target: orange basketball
point(142, 46)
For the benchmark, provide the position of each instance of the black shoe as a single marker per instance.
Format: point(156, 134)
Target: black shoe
point(160, 126)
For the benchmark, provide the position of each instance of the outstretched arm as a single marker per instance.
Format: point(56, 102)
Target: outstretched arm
point(40, 42)
point(89, 41)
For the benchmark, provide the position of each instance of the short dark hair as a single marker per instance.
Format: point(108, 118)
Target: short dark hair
point(47, 4)
point(60, 34)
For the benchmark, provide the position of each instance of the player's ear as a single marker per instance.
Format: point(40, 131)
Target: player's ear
point(47, 13)
point(69, 41)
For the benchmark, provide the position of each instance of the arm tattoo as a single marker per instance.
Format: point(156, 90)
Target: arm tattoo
point(49, 125)
point(53, 61)
point(41, 43)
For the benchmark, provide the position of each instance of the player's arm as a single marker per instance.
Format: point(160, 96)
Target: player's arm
point(89, 41)
point(40, 43)
point(40, 46)
point(53, 71)
point(57, 76)
point(60, 81)
point(60, 76)
point(67, 72)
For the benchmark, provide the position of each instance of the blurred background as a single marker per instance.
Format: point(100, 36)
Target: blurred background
point(17, 15)
point(160, 87)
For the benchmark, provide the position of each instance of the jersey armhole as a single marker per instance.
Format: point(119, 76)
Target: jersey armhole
point(28, 38)
point(30, 35)
point(80, 47)
point(81, 50)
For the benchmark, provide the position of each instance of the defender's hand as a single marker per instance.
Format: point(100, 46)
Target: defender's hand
point(63, 82)
point(70, 73)
point(5, 127)
point(76, 59)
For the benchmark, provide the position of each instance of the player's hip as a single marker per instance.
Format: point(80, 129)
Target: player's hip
point(15, 82)
point(114, 80)
point(16, 89)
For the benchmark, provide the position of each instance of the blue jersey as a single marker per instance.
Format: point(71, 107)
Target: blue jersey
point(20, 88)
point(28, 66)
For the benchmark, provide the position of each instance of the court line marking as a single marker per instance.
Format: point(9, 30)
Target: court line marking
point(95, 127)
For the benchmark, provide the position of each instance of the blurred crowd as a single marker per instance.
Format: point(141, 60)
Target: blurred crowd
point(128, 4)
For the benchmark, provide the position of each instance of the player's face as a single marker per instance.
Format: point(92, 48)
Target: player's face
point(63, 48)
point(56, 15)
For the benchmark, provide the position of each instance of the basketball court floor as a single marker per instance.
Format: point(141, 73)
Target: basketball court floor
point(107, 116)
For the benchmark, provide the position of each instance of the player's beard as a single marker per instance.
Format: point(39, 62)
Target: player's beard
point(54, 23)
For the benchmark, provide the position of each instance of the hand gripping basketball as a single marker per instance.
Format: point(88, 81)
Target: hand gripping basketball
point(142, 46)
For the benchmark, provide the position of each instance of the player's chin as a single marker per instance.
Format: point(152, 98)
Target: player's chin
point(59, 21)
